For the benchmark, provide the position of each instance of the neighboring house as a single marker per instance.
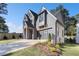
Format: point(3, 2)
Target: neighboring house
point(77, 33)
point(77, 29)
point(39, 26)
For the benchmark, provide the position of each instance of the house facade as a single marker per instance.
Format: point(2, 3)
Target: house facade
point(39, 26)
point(77, 34)
point(77, 30)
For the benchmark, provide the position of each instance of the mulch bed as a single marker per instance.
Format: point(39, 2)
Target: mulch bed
point(44, 48)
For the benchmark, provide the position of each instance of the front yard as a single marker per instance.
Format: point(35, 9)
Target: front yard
point(67, 50)
point(71, 50)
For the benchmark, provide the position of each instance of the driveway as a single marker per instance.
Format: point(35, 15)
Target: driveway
point(20, 44)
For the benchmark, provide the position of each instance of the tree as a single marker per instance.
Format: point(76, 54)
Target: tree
point(13, 37)
point(3, 10)
point(73, 21)
point(20, 35)
point(3, 26)
point(64, 12)
point(71, 30)
point(69, 22)
point(77, 17)
point(65, 15)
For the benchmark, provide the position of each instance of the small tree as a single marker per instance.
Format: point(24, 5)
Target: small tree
point(49, 38)
point(13, 37)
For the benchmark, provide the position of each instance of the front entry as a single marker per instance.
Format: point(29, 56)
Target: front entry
point(29, 34)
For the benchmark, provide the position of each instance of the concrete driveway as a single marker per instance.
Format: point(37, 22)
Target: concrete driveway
point(20, 44)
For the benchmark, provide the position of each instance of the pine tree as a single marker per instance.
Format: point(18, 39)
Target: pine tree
point(3, 26)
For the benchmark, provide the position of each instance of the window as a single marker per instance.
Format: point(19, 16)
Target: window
point(41, 18)
point(24, 22)
point(30, 15)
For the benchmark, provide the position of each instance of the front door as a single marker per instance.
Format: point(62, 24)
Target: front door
point(30, 34)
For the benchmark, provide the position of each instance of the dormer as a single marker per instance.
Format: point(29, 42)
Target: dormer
point(42, 17)
point(32, 16)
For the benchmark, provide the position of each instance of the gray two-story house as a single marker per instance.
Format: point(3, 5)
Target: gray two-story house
point(39, 26)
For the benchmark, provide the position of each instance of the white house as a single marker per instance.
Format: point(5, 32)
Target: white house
point(39, 26)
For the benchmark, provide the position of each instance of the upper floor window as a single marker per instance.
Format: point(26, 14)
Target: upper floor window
point(42, 17)
point(30, 15)
point(24, 21)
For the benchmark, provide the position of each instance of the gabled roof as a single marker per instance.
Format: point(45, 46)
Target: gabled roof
point(44, 9)
point(59, 16)
point(25, 17)
point(33, 13)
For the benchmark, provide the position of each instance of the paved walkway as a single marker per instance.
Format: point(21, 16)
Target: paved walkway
point(11, 47)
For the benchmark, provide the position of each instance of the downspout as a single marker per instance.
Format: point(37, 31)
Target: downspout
point(55, 32)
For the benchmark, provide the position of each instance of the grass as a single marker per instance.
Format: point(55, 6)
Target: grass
point(31, 51)
point(71, 50)
point(7, 41)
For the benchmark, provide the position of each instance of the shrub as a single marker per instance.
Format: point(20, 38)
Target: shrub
point(57, 46)
point(20, 36)
point(70, 40)
point(13, 37)
point(52, 49)
point(49, 38)
point(5, 37)
point(49, 43)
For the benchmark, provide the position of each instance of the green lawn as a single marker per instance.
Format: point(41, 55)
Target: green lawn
point(71, 50)
point(7, 41)
point(31, 51)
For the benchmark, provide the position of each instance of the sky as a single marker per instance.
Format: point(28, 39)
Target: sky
point(16, 12)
